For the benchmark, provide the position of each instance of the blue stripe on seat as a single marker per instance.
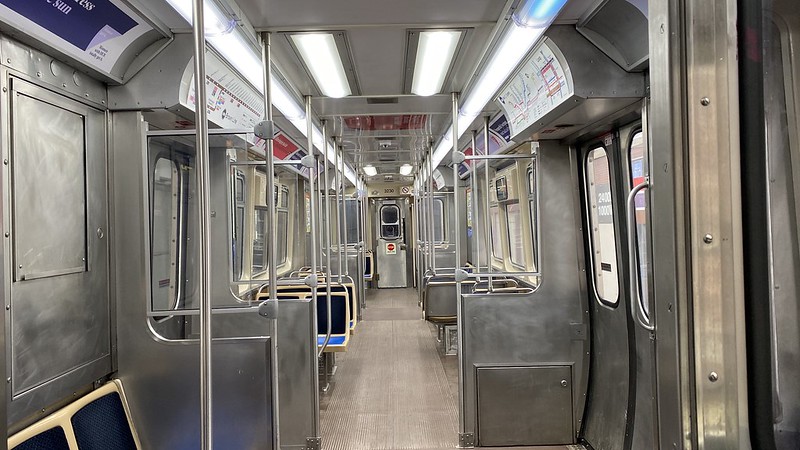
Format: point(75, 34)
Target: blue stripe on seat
point(335, 340)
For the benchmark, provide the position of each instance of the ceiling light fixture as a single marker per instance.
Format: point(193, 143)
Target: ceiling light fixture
point(435, 52)
point(370, 170)
point(406, 169)
point(321, 55)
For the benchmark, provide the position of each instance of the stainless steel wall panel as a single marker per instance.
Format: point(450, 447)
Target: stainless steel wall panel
point(524, 405)
point(162, 378)
point(60, 324)
point(538, 328)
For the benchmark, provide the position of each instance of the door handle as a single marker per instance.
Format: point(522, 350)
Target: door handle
point(638, 310)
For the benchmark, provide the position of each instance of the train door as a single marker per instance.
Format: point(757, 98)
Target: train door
point(621, 410)
point(391, 244)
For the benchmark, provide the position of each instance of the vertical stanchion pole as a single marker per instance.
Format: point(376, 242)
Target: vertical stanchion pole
point(431, 233)
point(457, 277)
point(311, 281)
point(345, 250)
point(339, 194)
point(203, 182)
point(266, 56)
point(474, 192)
point(487, 219)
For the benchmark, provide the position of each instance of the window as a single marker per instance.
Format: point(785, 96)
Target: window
point(601, 222)
point(497, 244)
point(438, 220)
point(639, 171)
point(515, 242)
point(239, 184)
point(353, 220)
point(259, 240)
point(164, 230)
point(283, 235)
point(390, 222)
point(533, 210)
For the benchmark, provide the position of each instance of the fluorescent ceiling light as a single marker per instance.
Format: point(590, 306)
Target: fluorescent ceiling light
point(536, 13)
point(321, 56)
point(406, 169)
point(216, 22)
point(435, 52)
point(370, 170)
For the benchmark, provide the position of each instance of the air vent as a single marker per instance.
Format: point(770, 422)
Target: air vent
point(382, 100)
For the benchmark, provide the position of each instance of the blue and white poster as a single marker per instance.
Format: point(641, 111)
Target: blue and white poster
point(95, 32)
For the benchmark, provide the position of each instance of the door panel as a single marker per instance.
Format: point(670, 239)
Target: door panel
point(391, 251)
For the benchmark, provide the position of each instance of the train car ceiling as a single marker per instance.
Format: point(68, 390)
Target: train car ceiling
point(619, 29)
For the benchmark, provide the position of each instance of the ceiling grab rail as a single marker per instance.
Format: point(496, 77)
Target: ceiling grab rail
point(204, 197)
point(637, 302)
point(269, 309)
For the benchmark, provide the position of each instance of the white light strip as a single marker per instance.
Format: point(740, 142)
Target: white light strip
point(516, 42)
point(435, 52)
point(406, 169)
point(321, 56)
point(233, 47)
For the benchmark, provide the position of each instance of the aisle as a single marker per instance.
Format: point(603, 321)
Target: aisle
point(391, 390)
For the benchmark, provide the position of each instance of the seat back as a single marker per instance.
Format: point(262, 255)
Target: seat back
point(99, 420)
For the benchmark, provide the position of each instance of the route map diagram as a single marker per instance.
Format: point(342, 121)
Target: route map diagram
point(541, 85)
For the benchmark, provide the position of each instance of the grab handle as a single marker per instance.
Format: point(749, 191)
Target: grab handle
point(637, 304)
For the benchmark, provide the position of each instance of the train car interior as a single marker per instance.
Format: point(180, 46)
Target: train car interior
point(418, 225)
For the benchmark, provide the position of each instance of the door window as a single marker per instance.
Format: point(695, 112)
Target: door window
point(601, 221)
point(390, 222)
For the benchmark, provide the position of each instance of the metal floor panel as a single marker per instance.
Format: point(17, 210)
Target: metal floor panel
point(390, 390)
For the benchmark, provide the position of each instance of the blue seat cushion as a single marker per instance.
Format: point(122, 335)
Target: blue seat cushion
point(335, 340)
point(103, 425)
point(52, 439)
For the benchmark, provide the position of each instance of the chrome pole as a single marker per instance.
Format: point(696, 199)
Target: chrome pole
point(327, 242)
point(311, 279)
point(266, 56)
point(431, 233)
point(339, 192)
point(474, 192)
point(204, 198)
point(486, 218)
point(459, 315)
point(345, 250)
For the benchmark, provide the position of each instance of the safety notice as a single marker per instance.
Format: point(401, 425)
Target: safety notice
point(391, 249)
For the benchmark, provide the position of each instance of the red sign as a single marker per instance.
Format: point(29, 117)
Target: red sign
point(386, 123)
point(390, 247)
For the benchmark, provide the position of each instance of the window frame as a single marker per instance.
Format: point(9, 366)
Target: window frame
point(532, 184)
point(501, 256)
point(518, 265)
point(442, 221)
point(399, 234)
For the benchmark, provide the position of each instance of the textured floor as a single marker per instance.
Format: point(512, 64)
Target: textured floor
point(394, 388)
point(390, 390)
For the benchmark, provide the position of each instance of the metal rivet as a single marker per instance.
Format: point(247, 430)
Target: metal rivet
point(708, 238)
point(564, 383)
point(713, 377)
point(5, 161)
point(5, 89)
point(39, 74)
point(705, 101)
point(8, 307)
point(8, 380)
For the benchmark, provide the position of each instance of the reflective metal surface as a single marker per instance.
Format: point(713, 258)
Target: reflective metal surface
point(544, 328)
point(60, 324)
